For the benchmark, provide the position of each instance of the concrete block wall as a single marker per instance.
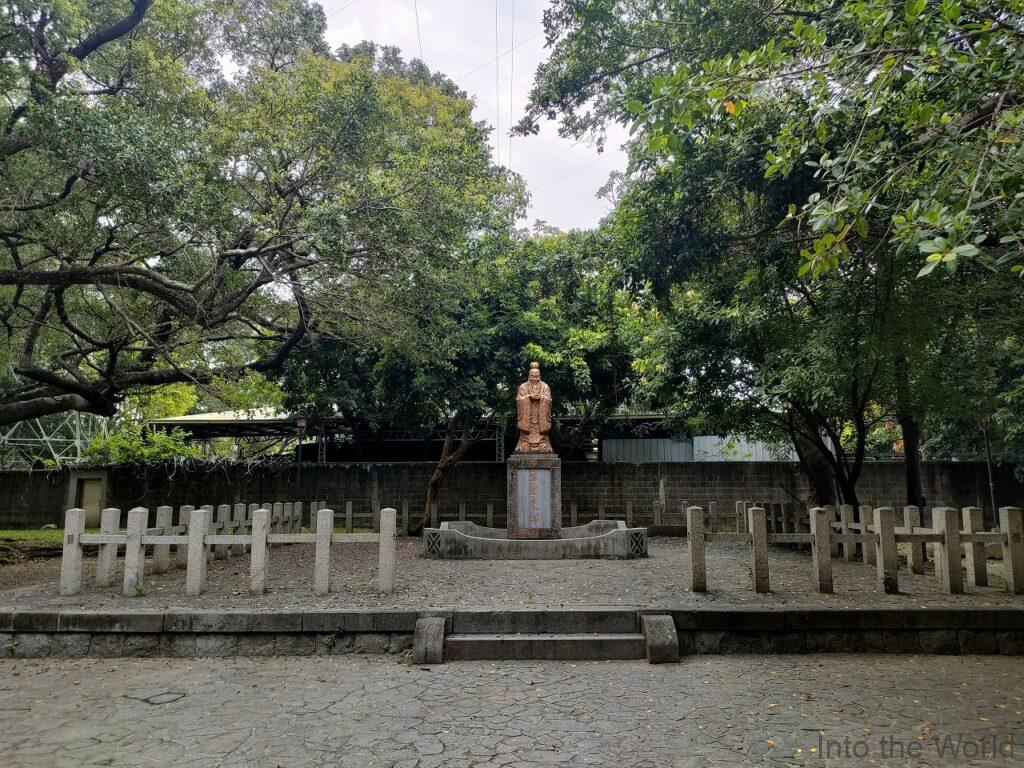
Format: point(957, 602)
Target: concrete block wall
point(36, 498)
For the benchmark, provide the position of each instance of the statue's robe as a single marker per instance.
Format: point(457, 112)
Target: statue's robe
point(533, 416)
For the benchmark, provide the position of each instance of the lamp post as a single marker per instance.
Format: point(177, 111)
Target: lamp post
point(300, 428)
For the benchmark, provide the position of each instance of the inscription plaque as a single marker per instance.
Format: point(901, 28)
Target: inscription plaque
point(534, 498)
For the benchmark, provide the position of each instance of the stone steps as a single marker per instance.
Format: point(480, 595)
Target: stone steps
point(547, 646)
point(545, 621)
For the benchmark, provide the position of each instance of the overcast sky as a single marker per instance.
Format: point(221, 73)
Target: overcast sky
point(458, 38)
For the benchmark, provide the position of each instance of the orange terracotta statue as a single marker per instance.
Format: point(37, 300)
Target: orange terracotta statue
point(533, 413)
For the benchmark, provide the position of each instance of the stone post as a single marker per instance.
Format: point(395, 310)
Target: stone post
point(386, 553)
point(695, 537)
point(195, 575)
point(134, 552)
point(297, 520)
point(258, 554)
point(181, 550)
point(947, 522)
point(106, 559)
point(250, 511)
point(220, 551)
point(886, 553)
point(866, 515)
point(831, 516)
point(758, 550)
point(846, 521)
point(71, 557)
point(277, 512)
point(821, 548)
point(1011, 523)
point(322, 559)
point(974, 552)
point(162, 552)
point(348, 517)
point(238, 520)
point(916, 555)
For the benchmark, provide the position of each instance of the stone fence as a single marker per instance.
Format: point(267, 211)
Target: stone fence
point(829, 534)
point(203, 534)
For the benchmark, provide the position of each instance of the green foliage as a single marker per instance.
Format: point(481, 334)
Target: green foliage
point(134, 444)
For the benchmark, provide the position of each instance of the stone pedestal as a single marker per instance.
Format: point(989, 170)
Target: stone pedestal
point(534, 496)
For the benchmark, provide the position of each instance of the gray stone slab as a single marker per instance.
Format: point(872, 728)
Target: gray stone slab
point(540, 620)
point(233, 621)
point(428, 641)
point(91, 621)
point(354, 620)
point(661, 640)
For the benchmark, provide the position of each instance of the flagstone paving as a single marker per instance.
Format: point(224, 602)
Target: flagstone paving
point(659, 580)
point(371, 712)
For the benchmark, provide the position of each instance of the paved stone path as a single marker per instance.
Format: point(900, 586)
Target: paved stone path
point(660, 580)
point(371, 712)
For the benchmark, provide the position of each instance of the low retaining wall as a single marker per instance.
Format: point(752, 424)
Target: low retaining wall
point(701, 631)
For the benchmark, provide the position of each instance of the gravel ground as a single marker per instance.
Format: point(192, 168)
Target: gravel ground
point(371, 712)
point(660, 580)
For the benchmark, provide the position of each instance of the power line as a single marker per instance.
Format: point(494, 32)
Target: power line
point(511, 79)
point(578, 168)
point(520, 44)
point(342, 6)
point(497, 87)
point(419, 39)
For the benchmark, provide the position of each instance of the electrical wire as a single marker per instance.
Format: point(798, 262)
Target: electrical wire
point(497, 87)
point(511, 79)
point(419, 39)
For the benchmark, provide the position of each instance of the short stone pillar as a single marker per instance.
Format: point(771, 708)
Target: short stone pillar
point(322, 557)
point(198, 528)
point(821, 548)
point(134, 552)
point(974, 552)
point(386, 552)
point(831, 516)
point(1011, 523)
point(695, 537)
point(258, 553)
point(220, 551)
point(868, 547)
point(162, 552)
point(106, 558)
point(947, 522)
point(846, 527)
point(71, 557)
point(758, 550)
point(917, 555)
point(181, 550)
point(534, 496)
point(886, 553)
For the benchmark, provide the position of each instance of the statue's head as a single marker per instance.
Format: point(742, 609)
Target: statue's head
point(534, 371)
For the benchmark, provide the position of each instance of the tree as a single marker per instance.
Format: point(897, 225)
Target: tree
point(163, 224)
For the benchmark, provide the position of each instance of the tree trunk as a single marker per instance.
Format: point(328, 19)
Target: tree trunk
point(912, 459)
point(817, 469)
point(449, 458)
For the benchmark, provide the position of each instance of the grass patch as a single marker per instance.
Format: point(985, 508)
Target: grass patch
point(44, 536)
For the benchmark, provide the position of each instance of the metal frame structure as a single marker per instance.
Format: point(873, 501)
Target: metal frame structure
point(60, 439)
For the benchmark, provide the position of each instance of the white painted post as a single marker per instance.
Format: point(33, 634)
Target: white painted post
point(916, 554)
point(220, 551)
point(974, 552)
point(106, 559)
point(866, 515)
point(821, 548)
point(846, 520)
point(1011, 523)
point(348, 517)
point(181, 550)
point(947, 522)
point(698, 560)
point(886, 553)
point(238, 518)
point(198, 527)
point(258, 554)
point(164, 520)
point(386, 554)
point(758, 550)
point(134, 552)
point(71, 557)
point(322, 559)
